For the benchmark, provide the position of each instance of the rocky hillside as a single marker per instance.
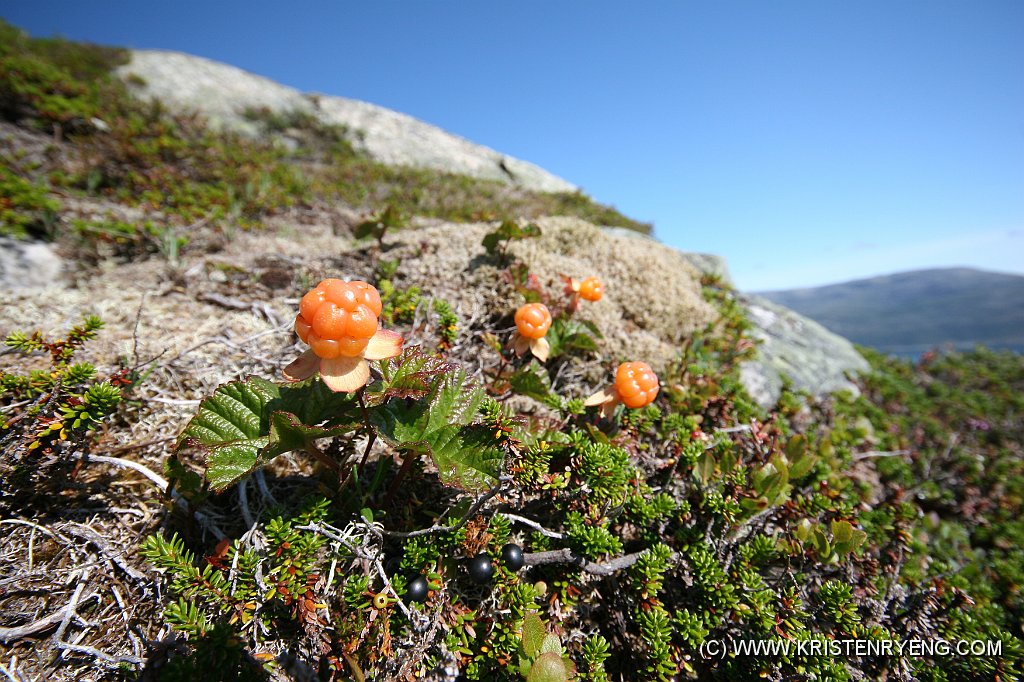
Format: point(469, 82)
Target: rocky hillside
point(225, 95)
point(912, 312)
point(230, 98)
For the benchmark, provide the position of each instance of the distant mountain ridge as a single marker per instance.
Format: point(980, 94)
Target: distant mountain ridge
point(910, 312)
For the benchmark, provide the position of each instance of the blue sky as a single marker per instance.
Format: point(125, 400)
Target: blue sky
point(807, 142)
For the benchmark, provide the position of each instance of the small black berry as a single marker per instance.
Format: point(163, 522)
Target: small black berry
point(480, 568)
point(417, 589)
point(512, 556)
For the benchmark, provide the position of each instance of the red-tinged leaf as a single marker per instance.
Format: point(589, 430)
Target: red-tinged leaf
point(410, 375)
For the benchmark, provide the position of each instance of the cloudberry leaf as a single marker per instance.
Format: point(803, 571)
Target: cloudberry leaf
point(410, 375)
point(468, 457)
point(533, 381)
point(245, 424)
point(567, 335)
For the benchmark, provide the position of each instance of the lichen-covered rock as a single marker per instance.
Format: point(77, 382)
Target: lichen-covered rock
point(652, 299)
point(814, 359)
point(223, 93)
point(28, 264)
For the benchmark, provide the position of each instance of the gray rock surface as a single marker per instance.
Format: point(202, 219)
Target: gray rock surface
point(222, 93)
point(27, 265)
point(815, 359)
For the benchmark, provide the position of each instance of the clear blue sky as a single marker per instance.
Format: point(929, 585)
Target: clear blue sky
point(807, 142)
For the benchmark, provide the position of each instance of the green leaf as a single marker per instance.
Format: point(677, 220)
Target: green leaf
point(508, 230)
point(410, 375)
point(803, 530)
point(466, 456)
point(532, 380)
point(551, 645)
point(842, 531)
point(705, 468)
point(820, 543)
point(796, 447)
point(230, 462)
point(533, 634)
point(567, 335)
point(857, 538)
point(548, 668)
point(245, 424)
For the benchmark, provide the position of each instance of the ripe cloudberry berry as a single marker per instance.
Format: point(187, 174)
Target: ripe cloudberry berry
point(338, 320)
point(591, 289)
point(533, 320)
point(636, 384)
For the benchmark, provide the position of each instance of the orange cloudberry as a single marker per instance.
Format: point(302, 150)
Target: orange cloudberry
point(338, 320)
point(636, 385)
point(591, 289)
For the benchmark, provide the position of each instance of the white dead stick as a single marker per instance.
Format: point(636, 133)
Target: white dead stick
point(162, 484)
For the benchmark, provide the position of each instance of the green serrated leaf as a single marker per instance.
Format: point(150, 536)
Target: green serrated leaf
point(532, 380)
point(287, 433)
point(230, 462)
point(245, 424)
point(466, 457)
point(567, 335)
point(235, 411)
point(410, 375)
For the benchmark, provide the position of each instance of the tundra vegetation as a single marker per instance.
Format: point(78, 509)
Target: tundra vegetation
point(467, 511)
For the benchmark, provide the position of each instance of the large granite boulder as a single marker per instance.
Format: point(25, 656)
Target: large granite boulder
point(224, 93)
point(812, 357)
